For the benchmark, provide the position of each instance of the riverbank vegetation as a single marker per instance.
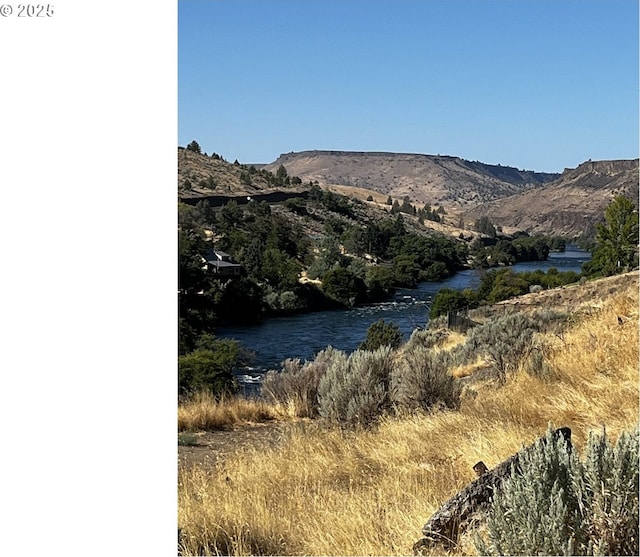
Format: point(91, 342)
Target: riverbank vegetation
point(616, 242)
point(305, 255)
point(322, 251)
point(363, 474)
point(497, 285)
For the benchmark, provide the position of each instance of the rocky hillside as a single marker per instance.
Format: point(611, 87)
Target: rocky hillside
point(202, 176)
point(570, 205)
point(433, 179)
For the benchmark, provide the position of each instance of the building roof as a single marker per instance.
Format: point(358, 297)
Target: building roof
point(224, 263)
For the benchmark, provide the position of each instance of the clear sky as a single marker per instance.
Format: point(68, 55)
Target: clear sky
point(540, 85)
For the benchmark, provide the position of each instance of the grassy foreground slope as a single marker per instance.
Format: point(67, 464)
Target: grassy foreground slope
point(323, 491)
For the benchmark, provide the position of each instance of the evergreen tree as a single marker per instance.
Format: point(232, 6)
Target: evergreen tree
point(616, 248)
point(485, 226)
point(381, 334)
point(194, 146)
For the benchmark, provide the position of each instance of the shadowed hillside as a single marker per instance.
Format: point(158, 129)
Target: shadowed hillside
point(570, 205)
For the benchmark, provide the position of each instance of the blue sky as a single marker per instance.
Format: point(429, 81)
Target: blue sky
point(540, 85)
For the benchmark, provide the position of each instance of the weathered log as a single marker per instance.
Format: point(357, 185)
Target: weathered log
point(463, 509)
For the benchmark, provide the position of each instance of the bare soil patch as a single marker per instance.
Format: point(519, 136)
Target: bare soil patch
point(215, 446)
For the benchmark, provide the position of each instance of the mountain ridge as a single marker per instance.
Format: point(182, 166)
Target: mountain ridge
point(435, 179)
point(569, 206)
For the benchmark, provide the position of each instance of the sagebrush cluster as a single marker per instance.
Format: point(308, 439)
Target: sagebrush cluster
point(556, 504)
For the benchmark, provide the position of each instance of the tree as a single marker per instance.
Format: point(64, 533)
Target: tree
point(282, 176)
point(209, 368)
point(507, 285)
point(279, 270)
point(616, 249)
point(379, 282)
point(236, 301)
point(194, 146)
point(406, 270)
point(381, 334)
point(448, 299)
point(485, 226)
point(406, 206)
point(230, 215)
point(345, 287)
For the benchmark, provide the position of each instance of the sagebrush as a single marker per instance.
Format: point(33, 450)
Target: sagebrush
point(555, 504)
point(296, 385)
point(355, 389)
point(421, 380)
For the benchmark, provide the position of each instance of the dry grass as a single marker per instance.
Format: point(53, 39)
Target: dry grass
point(327, 492)
point(205, 412)
point(467, 370)
point(594, 379)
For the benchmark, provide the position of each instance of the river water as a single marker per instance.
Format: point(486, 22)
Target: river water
point(303, 336)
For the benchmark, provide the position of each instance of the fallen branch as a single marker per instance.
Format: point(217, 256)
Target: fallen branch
point(463, 509)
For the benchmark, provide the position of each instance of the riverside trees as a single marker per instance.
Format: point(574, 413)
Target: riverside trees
point(616, 249)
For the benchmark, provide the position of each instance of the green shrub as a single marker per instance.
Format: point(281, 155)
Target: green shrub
point(448, 299)
point(297, 382)
point(355, 389)
point(535, 511)
point(556, 505)
point(210, 368)
point(283, 302)
point(381, 334)
point(421, 380)
point(296, 205)
point(187, 439)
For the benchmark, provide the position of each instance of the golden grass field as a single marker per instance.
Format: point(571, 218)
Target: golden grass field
point(322, 491)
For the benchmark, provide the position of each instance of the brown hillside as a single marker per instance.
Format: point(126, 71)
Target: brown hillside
point(433, 179)
point(202, 176)
point(570, 205)
point(218, 180)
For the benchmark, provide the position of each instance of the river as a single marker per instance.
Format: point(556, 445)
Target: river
point(303, 336)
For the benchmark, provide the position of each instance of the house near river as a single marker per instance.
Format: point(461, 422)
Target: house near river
point(219, 263)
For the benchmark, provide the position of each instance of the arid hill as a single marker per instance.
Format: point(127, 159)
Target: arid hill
point(212, 178)
point(569, 206)
point(202, 176)
point(433, 179)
